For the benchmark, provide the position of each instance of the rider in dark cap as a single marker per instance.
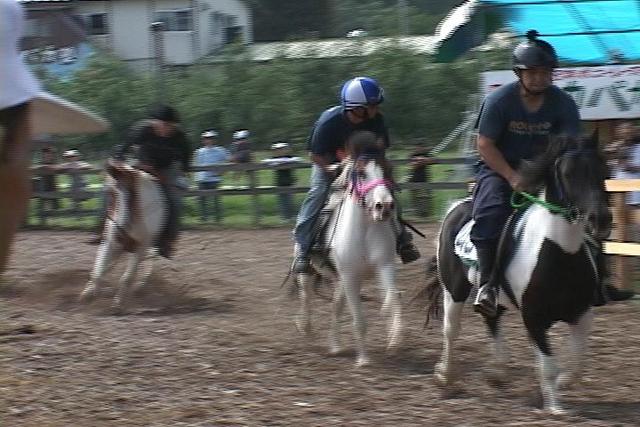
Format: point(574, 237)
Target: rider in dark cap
point(162, 147)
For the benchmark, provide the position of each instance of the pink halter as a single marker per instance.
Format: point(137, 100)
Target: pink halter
point(361, 189)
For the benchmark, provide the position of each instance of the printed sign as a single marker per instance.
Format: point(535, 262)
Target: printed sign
point(607, 92)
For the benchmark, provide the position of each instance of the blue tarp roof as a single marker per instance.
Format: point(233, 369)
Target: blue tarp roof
point(582, 31)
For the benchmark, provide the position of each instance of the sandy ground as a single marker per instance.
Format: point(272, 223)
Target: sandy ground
point(211, 341)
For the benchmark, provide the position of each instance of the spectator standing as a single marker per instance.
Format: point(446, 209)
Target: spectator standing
point(241, 147)
point(418, 173)
point(73, 166)
point(48, 181)
point(284, 177)
point(209, 154)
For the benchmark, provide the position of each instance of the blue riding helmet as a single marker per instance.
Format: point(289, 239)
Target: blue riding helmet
point(360, 92)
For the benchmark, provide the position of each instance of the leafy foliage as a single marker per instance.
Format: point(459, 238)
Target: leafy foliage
point(279, 99)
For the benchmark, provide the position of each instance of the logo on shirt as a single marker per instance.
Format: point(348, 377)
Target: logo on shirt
point(525, 128)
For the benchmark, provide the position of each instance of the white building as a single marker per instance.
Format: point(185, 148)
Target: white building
point(192, 28)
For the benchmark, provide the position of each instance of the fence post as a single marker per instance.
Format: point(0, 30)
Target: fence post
point(621, 215)
point(253, 185)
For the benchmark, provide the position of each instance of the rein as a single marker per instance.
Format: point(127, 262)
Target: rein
point(528, 200)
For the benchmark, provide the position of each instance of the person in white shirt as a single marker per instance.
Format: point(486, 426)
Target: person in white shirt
point(209, 154)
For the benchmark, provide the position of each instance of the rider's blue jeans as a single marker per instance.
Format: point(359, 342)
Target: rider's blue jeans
point(319, 184)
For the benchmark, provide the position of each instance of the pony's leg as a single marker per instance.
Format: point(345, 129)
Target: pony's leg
point(147, 268)
point(335, 344)
point(548, 382)
point(500, 358)
point(391, 308)
point(451, 330)
point(108, 253)
point(578, 334)
point(128, 277)
point(351, 287)
point(303, 322)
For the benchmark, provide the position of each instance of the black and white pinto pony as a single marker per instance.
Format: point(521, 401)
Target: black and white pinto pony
point(135, 219)
point(550, 273)
point(362, 240)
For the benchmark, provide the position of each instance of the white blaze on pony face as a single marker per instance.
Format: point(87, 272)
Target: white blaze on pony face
point(379, 200)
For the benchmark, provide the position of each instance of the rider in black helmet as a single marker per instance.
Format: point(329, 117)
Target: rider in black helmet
point(515, 123)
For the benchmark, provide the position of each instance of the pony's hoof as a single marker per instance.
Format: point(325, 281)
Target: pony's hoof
point(363, 361)
point(87, 295)
point(566, 381)
point(304, 327)
point(139, 290)
point(441, 376)
point(335, 347)
point(557, 411)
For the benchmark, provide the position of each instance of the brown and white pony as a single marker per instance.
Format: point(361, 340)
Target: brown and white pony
point(136, 216)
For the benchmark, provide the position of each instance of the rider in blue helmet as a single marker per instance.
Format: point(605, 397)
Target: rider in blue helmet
point(359, 110)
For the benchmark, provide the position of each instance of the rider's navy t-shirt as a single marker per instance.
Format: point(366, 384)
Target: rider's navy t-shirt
point(331, 131)
point(520, 134)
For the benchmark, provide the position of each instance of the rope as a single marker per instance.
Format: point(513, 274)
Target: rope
point(528, 199)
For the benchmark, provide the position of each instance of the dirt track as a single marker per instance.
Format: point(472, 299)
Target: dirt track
point(211, 342)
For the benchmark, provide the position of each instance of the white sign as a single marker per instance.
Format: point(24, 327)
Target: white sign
point(608, 92)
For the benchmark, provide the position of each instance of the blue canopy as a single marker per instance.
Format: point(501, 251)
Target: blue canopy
point(582, 31)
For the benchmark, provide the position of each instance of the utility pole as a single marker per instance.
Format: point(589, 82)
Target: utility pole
point(403, 18)
point(158, 51)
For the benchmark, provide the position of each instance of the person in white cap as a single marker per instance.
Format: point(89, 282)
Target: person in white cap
point(284, 178)
point(73, 164)
point(209, 154)
point(241, 147)
point(25, 109)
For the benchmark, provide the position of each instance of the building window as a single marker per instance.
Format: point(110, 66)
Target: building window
point(95, 24)
point(176, 20)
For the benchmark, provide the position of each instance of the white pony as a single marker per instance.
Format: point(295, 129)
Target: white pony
point(135, 219)
point(362, 239)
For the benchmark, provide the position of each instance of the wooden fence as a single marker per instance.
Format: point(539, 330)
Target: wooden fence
point(253, 190)
point(618, 246)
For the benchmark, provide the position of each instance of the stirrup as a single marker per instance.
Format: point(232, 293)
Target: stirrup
point(486, 302)
point(301, 264)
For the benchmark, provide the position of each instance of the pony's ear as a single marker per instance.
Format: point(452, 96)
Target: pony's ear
point(593, 140)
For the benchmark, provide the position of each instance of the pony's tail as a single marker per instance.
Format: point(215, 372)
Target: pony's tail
point(431, 293)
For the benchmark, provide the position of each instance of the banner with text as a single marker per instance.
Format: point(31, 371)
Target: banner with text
point(607, 92)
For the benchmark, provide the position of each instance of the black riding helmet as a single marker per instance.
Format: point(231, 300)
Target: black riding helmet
point(534, 53)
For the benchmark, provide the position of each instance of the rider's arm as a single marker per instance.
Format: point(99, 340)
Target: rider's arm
point(319, 160)
point(495, 160)
point(134, 137)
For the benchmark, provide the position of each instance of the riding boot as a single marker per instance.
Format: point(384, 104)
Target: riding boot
point(486, 300)
point(170, 231)
point(301, 262)
point(406, 248)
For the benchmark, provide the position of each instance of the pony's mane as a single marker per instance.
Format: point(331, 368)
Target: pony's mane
point(534, 173)
point(364, 145)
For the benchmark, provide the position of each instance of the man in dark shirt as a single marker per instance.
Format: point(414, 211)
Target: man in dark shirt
point(162, 146)
point(515, 123)
point(359, 110)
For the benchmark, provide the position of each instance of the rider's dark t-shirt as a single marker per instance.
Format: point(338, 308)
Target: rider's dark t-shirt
point(520, 134)
point(332, 129)
point(156, 151)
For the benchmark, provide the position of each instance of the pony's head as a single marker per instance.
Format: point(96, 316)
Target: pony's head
point(371, 179)
point(573, 172)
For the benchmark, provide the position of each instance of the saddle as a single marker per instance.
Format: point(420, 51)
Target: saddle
point(465, 249)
